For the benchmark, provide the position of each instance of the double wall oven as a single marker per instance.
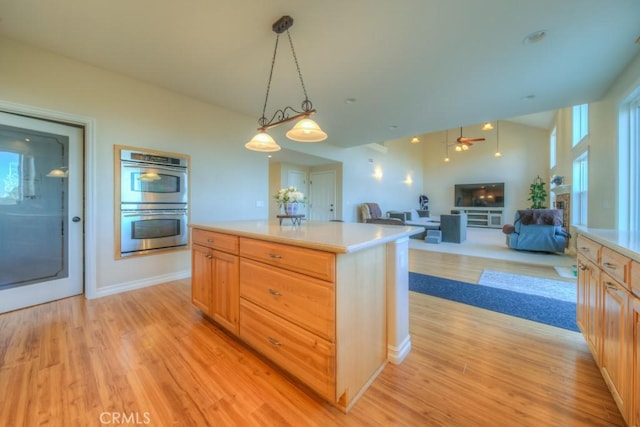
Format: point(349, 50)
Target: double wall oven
point(153, 202)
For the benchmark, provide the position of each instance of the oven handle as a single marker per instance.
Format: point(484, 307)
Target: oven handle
point(150, 166)
point(150, 213)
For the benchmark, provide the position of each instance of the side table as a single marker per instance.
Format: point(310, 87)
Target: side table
point(295, 219)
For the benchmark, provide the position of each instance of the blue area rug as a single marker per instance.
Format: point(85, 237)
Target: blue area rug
point(532, 307)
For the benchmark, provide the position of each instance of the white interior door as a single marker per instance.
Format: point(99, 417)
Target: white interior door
point(298, 179)
point(322, 196)
point(41, 210)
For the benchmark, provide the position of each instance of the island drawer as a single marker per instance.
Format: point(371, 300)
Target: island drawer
point(589, 249)
point(303, 300)
point(219, 241)
point(616, 266)
point(301, 353)
point(311, 262)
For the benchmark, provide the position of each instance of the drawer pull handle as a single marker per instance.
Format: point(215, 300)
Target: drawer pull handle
point(275, 342)
point(274, 292)
point(210, 240)
point(584, 249)
point(275, 256)
point(612, 286)
point(609, 265)
point(209, 256)
point(583, 267)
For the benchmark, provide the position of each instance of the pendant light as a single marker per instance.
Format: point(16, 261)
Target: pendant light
point(497, 153)
point(446, 147)
point(306, 130)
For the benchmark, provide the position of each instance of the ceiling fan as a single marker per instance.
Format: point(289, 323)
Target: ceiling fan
point(467, 141)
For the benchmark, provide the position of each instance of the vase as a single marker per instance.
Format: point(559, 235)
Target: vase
point(291, 208)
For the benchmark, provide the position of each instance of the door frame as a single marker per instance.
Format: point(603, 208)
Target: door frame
point(88, 123)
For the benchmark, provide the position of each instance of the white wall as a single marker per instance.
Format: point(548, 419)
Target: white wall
point(226, 179)
point(602, 144)
point(525, 155)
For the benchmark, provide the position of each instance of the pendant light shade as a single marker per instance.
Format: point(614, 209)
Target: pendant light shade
point(262, 142)
point(306, 130)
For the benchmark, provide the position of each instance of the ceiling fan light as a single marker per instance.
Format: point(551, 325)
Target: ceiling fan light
point(465, 147)
point(459, 147)
point(262, 142)
point(306, 130)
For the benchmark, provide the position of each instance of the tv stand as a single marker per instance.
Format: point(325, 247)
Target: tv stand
point(482, 217)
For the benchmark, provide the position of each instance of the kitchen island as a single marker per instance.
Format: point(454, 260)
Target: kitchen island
point(325, 301)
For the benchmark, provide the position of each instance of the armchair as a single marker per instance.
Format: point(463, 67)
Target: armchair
point(537, 230)
point(372, 214)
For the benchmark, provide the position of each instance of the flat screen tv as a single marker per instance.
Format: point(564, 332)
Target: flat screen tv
point(483, 195)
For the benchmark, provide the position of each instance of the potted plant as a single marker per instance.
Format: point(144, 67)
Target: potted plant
point(289, 198)
point(537, 194)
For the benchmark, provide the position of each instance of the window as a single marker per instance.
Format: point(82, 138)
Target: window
point(629, 164)
point(553, 146)
point(9, 178)
point(581, 188)
point(580, 123)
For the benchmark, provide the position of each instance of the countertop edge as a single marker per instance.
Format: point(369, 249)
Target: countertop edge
point(611, 238)
point(407, 231)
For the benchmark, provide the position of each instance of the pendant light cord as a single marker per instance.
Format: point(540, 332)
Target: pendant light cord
point(263, 119)
point(306, 104)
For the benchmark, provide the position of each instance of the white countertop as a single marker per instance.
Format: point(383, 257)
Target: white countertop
point(626, 243)
point(337, 237)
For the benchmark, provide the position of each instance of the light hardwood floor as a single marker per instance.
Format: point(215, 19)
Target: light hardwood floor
point(147, 355)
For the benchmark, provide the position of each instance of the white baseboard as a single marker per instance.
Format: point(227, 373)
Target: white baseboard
point(396, 355)
point(138, 284)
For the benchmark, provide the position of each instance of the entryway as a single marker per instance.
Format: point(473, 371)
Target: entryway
point(41, 211)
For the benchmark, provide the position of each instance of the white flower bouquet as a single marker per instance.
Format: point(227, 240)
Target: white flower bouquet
point(289, 195)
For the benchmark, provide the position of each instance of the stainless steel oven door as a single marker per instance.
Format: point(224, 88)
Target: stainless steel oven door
point(146, 183)
point(144, 230)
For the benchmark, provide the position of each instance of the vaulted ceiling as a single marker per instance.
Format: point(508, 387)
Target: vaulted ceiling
point(407, 66)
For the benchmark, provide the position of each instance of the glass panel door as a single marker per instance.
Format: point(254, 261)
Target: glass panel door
point(40, 188)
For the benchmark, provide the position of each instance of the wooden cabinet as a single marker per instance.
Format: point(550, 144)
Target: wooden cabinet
point(320, 316)
point(607, 314)
point(201, 278)
point(287, 309)
point(634, 316)
point(615, 365)
point(215, 277)
point(590, 305)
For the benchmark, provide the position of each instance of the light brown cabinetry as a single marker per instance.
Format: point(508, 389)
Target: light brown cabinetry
point(634, 308)
point(605, 314)
point(215, 277)
point(614, 363)
point(590, 305)
point(320, 316)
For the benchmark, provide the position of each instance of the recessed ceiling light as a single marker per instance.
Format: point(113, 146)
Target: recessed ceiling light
point(535, 37)
point(528, 98)
point(393, 127)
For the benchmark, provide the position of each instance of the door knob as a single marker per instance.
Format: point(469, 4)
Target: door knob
point(75, 219)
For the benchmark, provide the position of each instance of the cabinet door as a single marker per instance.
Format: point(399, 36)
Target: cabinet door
point(615, 341)
point(594, 310)
point(582, 303)
point(201, 278)
point(225, 304)
point(634, 420)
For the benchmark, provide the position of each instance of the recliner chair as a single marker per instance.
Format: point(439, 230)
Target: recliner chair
point(537, 230)
point(372, 214)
